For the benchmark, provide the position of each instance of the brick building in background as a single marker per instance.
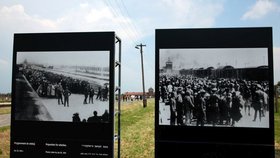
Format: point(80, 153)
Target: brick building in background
point(137, 95)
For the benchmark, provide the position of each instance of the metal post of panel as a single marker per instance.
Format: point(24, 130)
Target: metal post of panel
point(118, 64)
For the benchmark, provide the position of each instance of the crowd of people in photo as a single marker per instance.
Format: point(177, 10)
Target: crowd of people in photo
point(216, 102)
point(52, 85)
point(58, 86)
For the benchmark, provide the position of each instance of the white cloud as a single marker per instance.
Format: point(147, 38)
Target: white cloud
point(84, 5)
point(15, 19)
point(180, 14)
point(98, 17)
point(195, 13)
point(260, 9)
point(83, 18)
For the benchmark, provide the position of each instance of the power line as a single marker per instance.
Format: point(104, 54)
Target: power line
point(127, 13)
point(125, 28)
point(109, 6)
point(130, 23)
point(124, 9)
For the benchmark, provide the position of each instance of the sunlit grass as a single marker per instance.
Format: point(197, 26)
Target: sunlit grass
point(137, 125)
point(4, 142)
point(5, 110)
point(277, 131)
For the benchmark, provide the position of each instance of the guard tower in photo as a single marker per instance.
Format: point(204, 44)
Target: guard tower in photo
point(169, 66)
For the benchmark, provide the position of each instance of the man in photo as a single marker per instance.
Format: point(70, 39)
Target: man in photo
point(66, 95)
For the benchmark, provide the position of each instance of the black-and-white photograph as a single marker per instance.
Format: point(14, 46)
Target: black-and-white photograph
point(62, 86)
point(214, 87)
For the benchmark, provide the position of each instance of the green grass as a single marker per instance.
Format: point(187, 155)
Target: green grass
point(277, 134)
point(137, 134)
point(277, 131)
point(3, 129)
point(5, 110)
point(5, 142)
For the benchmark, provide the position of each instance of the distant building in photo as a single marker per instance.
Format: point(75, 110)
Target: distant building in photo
point(169, 68)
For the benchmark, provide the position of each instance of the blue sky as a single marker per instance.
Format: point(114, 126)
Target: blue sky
point(135, 22)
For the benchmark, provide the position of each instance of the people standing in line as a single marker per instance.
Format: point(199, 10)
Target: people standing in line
point(66, 95)
point(214, 107)
point(86, 93)
point(235, 112)
point(98, 96)
point(179, 107)
point(258, 101)
point(40, 90)
point(265, 104)
point(172, 104)
point(188, 105)
point(228, 105)
point(105, 93)
point(91, 94)
point(247, 96)
point(200, 108)
point(169, 87)
point(59, 93)
point(163, 92)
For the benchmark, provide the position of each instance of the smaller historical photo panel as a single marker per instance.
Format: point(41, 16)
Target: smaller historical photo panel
point(214, 87)
point(62, 86)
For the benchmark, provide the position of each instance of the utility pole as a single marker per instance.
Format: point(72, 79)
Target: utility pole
point(143, 82)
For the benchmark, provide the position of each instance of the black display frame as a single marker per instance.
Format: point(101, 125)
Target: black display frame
point(192, 141)
point(70, 133)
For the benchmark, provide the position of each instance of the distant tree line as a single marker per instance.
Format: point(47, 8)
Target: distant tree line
point(5, 97)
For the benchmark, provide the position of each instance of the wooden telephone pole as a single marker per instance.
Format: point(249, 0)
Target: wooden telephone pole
point(140, 46)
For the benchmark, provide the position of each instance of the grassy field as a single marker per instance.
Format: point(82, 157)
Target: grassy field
point(137, 125)
point(5, 110)
point(137, 134)
point(5, 135)
point(277, 134)
point(4, 141)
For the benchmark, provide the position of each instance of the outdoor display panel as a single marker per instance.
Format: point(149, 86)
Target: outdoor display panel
point(63, 95)
point(214, 92)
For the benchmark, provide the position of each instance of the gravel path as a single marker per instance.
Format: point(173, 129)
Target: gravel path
point(5, 120)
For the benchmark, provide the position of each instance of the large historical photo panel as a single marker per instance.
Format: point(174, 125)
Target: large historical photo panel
point(224, 87)
point(63, 86)
point(214, 93)
point(63, 95)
